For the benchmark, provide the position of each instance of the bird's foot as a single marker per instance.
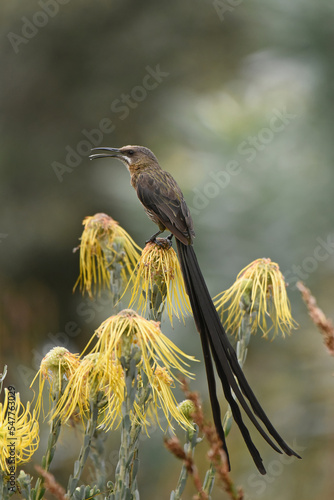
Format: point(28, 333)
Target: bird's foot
point(164, 243)
point(153, 238)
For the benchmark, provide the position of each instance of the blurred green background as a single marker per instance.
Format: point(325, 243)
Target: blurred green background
point(236, 100)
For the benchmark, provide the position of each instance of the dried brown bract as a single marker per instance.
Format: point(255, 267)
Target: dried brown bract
point(318, 317)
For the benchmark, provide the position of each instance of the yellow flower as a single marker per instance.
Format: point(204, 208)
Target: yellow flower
point(57, 367)
point(104, 244)
point(94, 374)
point(260, 290)
point(130, 336)
point(19, 433)
point(159, 271)
point(164, 398)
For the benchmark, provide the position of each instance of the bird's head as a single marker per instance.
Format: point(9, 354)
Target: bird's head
point(133, 157)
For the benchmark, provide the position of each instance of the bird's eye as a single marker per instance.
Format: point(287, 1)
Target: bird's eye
point(130, 152)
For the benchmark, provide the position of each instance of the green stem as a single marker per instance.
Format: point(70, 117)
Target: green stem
point(86, 446)
point(97, 456)
point(244, 335)
point(97, 439)
point(209, 481)
point(115, 266)
point(189, 448)
point(115, 271)
point(39, 490)
point(125, 487)
point(3, 376)
point(4, 491)
point(156, 301)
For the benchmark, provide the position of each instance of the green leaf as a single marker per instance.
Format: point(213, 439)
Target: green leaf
point(127, 422)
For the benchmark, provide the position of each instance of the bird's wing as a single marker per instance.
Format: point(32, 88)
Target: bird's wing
point(163, 200)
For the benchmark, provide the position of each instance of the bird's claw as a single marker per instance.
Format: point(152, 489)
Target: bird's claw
point(164, 243)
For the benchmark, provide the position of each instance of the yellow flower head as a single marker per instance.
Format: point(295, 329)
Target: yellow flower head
point(104, 244)
point(164, 398)
point(93, 375)
point(19, 432)
point(159, 271)
point(155, 356)
point(57, 367)
point(260, 290)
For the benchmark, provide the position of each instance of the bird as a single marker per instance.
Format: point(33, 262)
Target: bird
point(165, 205)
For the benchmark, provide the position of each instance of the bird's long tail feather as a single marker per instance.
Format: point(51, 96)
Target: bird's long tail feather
point(216, 345)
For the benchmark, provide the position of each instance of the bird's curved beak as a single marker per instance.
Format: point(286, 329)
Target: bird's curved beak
point(115, 152)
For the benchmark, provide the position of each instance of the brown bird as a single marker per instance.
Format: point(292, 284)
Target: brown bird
point(164, 203)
